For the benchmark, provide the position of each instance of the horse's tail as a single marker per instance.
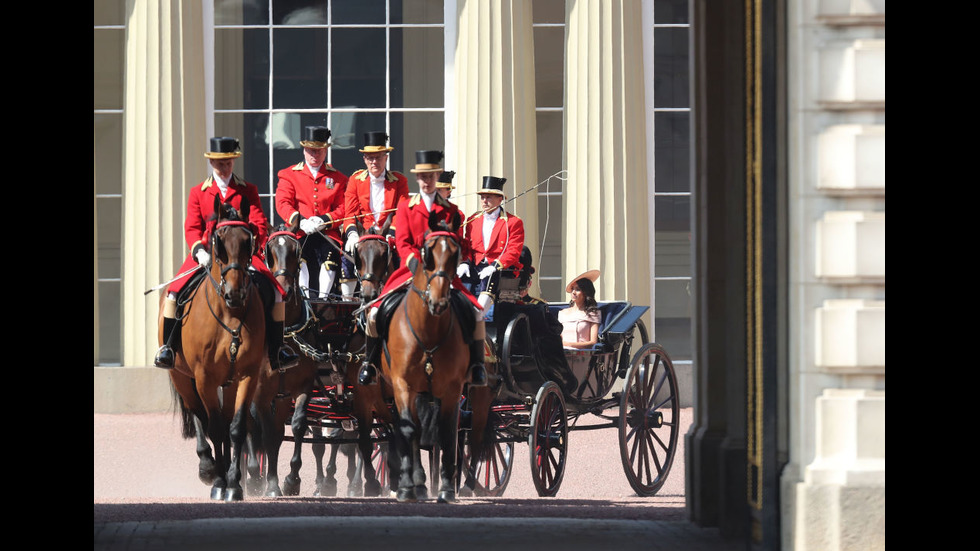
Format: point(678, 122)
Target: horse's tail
point(187, 429)
point(483, 437)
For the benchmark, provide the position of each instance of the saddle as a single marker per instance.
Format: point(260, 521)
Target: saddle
point(465, 313)
point(266, 291)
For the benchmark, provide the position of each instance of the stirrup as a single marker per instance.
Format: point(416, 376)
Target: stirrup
point(287, 358)
point(368, 375)
point(164, 358)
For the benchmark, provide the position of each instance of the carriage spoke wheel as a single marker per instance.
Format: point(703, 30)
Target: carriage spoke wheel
point(649, 414)
point(548, 440)
point(490, 472)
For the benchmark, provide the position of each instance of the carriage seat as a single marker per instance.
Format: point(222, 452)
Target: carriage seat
point(610, 312)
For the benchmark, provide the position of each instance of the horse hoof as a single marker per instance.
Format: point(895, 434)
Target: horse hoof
point(290, 487)
point(207, 474)
point(447, 496)
point(273, 491)
point(328, 489)
point(355, 490)
point(406, 495)
point(218, 494)
point(422, 492)
point(234, 494)
point(372, 488)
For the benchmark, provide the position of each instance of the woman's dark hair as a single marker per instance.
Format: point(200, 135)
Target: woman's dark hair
point(588, 289)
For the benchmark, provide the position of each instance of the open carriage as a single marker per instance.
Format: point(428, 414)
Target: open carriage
point(545, 390)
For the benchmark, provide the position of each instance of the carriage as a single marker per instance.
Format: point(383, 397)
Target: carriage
point(544, 392)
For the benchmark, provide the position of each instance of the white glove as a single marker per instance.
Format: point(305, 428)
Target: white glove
point(318, 223)
point(203, 257)
point(307, 226)
point(463, 270)
point(351, 246)
point(487, 272)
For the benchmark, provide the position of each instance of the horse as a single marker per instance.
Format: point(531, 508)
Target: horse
point(222, 351)
point(426, 364)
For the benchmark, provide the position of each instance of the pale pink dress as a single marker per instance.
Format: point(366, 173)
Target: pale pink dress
point(577, 325)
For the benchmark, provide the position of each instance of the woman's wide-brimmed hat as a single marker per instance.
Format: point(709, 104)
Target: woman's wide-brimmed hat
point(224, 148)
point(316, 137)
point(446, 179)
point(591, 275)
point(427, 161)
point(376, 142)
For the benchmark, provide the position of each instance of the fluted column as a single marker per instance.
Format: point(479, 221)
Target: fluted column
point(165, 139)
point(606, 223)
point(496, 130)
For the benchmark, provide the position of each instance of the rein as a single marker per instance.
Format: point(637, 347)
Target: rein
point(429, 352)
point(236, 339)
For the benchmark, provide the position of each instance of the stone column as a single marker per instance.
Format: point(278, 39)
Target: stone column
point(606, 219)
point(165, 139)
point(496, 130)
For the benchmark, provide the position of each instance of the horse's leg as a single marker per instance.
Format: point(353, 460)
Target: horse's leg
point(217, 430)
point(406, 443)
point(254, 446)
point(329, 478)
point(319, 449)
point(206, 469)
point(237, 432)
point(355, 486)
point(299, 425)
point(448, 427)
point(273, 427)
point(372, 487)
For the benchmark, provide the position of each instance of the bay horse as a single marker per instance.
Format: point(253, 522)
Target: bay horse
point(222, 349)
point(426, 364)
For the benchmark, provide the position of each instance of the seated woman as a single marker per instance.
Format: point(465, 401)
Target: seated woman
point(580, 321)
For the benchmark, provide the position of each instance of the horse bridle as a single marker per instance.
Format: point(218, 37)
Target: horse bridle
point(424, 295)
point(289, 236)
point(371, 277)
point(219, 287)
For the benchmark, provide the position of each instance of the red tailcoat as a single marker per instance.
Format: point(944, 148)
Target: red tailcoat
point(198, 224)
point(298, 195)
point(358, 198)
point(506, 240)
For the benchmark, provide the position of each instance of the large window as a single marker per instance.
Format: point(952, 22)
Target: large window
point(672, 181)
point(108, 52)
point(355, 67)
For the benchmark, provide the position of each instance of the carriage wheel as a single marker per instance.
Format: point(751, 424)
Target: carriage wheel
point(491, 472)
point(649, 414)
point(548, 440)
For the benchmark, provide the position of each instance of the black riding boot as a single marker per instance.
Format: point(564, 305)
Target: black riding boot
point(368, 375)
point(478, 373)
point(165, 355)
point(280, 354)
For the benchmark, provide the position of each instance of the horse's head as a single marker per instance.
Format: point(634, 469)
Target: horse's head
point(282, 256)
point(373, 261)
point(232, 244)
point(438, 258)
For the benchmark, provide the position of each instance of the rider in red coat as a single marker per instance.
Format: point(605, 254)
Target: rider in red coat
point(412, 221)
point(229, 188)
point(495, 238)
point(311, 193)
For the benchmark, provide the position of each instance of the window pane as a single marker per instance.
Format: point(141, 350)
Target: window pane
point(254, 134)
point(672, 213)
point(549, 148)
point(672, 253)
point(670, 68)
point(417, 71)
point(108, 54)
point(670, 11)
point(672, 151)
point(416, 11)
point(416, 131)
point(360, 12)
point(549, 232)
point(348, 138)
point(109, 213)
point(110, 313)
point(236, 12)
point(672, 322)
point(110, 12)
point(548, 11)
point(549, 66)
point(241, 84)
point(359, 67)
point(108, 153)
point(299, 12)
point(300, 68)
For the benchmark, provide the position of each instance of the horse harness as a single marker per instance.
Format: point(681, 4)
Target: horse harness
point(424, 295)
point(218, 287)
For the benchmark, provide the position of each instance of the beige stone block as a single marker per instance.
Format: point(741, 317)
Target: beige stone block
point(132, 390)
point(851, 7)
point(850, 335)
point(853, 71)
point(851, 157)
point(850, 244)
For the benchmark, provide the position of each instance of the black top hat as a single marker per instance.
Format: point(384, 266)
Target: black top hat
point(527, 269)
point(493, 184)
point(224, 148)
point(446, 179)
point(427, 161)
point(376, 142)
point(316, 137)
